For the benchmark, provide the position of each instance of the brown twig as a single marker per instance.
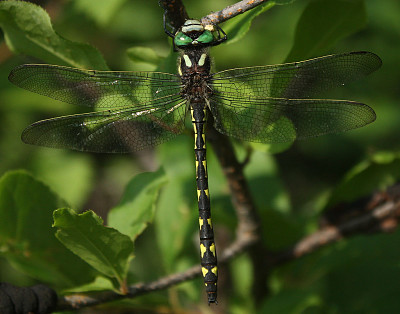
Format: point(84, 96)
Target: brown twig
point(382, 216)
point(231, 11)
point(78, 301)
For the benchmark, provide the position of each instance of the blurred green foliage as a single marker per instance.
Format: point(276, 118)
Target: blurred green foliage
point(290, 188)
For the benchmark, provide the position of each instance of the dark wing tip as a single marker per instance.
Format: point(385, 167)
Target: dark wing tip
point(372, 59)
point(16, 76)
point(369, 115)
point(27, 137)
point(12, 75)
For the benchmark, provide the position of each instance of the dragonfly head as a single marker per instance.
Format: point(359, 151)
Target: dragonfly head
point(194, 33)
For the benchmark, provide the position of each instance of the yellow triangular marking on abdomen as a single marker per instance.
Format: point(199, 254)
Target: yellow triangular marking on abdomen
point(202, 250)
point(212, 249)
point(205, 166)
point(201, 222)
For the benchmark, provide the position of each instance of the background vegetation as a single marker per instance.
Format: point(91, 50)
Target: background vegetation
point(291, 188)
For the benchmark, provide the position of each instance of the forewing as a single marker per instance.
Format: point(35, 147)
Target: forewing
point(112, 131)
point(298, 79)
point(279, 120)
point(96, 89)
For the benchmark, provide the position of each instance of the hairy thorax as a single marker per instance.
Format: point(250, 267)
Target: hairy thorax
point(194, 67)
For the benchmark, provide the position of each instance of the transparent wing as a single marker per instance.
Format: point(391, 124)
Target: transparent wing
point(96, 89)
point(279, 120)
point(296, 80)
point(112, 131)
point(272, 104)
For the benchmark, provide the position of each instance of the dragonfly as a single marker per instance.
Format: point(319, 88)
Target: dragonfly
point(136, 110)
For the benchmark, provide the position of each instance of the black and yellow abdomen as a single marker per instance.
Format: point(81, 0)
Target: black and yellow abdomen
point(207, 246)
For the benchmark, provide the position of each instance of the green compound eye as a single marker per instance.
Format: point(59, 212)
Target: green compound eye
point(182, 40)
point(206, 37)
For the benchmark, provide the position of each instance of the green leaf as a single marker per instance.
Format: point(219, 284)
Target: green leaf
point(279, 228)
point(105, 249)
point(242, 279)
point(293, 301)
point(176, 209)
point(137, 207)
point(101, 11)
point(323, 23)
point(99, 284)
point(237, 27)
point(377, 173)
point(61, 171)
point(267, 187)
point(272, 148)
point(26, 237)
point(143, 54)
point(27, 29)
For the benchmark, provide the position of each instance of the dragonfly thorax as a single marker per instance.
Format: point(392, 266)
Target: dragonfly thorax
point(194, 67)
point(193, 61)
